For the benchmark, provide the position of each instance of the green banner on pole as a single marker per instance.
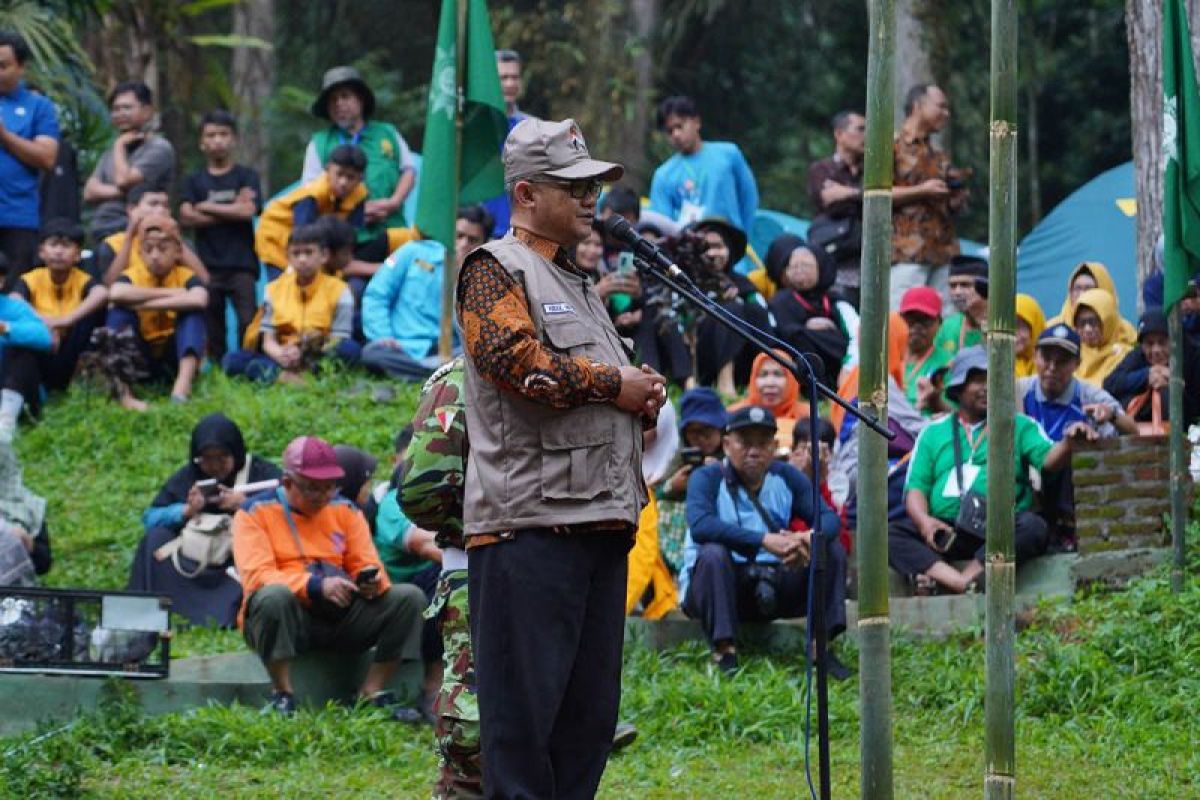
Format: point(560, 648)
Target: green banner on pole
point(1181, 149)
point(454, 174)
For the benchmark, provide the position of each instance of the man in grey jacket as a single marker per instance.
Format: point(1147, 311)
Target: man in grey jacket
point(555, 414)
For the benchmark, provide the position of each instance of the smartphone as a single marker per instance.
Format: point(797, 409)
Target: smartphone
point(209, 488)
point(625, 265)
point(691, 456)
point(366, 576)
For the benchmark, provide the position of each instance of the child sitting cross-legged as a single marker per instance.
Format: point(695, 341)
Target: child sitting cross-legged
point(161, 303)
point(306, 315)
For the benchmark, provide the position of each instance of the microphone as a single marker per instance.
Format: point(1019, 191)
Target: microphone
point(619, 228)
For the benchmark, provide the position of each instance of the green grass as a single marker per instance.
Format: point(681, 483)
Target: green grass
point(1106, 686)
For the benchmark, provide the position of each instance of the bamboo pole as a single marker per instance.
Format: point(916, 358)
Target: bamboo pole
point(874, 624)
point(450, 271)
point(1178, 450)
point(1000, 739)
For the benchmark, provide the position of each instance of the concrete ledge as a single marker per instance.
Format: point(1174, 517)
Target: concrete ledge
point(319, 678)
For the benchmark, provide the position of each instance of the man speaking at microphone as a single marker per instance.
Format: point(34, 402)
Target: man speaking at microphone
point(555, 414)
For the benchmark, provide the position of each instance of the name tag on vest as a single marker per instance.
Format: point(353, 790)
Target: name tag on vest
point(558, 308)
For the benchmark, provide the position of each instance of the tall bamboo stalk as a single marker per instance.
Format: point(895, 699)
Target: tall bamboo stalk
point(874, 624)
point(1000, 740)
point(1178, 458)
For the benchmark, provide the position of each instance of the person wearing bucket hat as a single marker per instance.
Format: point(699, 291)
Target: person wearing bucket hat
point(703, 179)
point(347, 102)
point(1146, 369)
point(745, 560)
point(313, 579)
point(922, 543)
point(554, 489)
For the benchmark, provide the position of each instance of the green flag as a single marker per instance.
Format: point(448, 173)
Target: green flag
point(452, 174)
point(1181, 149)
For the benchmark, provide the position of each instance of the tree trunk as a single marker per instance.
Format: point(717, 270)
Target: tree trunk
point(252, 76)
point(913, 64)
point(1033, 89)
point(644, 16)
point(874, 623)
point(1143, 25)
point(1000, 569)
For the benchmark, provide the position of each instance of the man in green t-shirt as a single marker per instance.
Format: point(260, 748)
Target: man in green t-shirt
point(969, 294)
point(922, 544)
point(348, 103)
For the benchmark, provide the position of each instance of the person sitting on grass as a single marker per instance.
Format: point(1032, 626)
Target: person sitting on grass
point(338, 191)
point(402, 306)
point(313, 580)
point(745, 562)
point(24, 539)
point(1146, 372)
point(306, 315)
point(922, 544)
point(69, 302)
point(162, 303)
point(121, 250)
point(203, 593)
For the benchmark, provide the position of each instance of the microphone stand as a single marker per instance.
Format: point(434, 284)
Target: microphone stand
point(801, 367)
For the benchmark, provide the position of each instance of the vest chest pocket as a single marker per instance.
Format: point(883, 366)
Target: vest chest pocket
point(577, 455)
point(569, 336)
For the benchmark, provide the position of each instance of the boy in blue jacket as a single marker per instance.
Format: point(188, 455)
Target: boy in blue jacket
point(402, 305)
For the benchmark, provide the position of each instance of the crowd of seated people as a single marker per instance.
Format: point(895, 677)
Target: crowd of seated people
point(332, 270)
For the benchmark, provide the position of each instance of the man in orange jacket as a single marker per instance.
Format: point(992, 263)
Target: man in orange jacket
point(312, 579)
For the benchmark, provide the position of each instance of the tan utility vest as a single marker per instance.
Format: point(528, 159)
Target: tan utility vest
point(531, 465)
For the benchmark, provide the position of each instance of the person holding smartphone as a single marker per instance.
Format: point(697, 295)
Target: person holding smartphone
point(941, 474)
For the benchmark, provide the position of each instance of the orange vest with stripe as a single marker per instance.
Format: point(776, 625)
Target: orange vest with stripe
point(156, 326)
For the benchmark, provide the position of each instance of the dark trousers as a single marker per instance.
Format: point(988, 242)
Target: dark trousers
point(908, 553)
point(25, 370)
point(661, 345)
point(279, 628)
point(547, 621)
point(163, 360)
point(20, 247)
point(722, 593)
point(261, 367)
point(236, 286)
point(717, 346)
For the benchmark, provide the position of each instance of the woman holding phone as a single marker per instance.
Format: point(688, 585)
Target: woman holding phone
point(204, 493)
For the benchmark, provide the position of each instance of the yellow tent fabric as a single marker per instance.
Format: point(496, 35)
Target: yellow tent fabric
point(647, 570)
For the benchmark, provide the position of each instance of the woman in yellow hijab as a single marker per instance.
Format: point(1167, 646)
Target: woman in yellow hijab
point(1031, 321)
point(1093, 275)
point(1096, 321)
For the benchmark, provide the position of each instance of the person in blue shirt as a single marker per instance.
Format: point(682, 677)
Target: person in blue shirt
point(402, 305)
point(20, 327)
point(703, 179)
point(744, 558)
point(28, 145)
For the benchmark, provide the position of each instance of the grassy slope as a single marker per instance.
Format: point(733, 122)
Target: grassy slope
point(1106, 687)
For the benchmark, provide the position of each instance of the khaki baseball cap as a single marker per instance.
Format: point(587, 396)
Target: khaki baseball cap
point(540, 148)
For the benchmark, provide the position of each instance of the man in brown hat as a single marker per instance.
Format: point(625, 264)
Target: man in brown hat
point(555, 413)
point(348, 103)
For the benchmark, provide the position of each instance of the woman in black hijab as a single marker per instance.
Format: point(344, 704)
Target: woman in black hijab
point(805, 312)
point(218, 452)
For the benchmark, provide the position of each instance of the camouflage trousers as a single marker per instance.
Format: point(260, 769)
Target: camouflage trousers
point(457, 727)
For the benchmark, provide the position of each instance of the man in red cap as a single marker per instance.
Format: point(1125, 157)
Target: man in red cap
point(312, 579)
point(924, 364)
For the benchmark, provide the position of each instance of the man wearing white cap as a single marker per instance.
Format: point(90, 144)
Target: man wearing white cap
point(555, 413)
